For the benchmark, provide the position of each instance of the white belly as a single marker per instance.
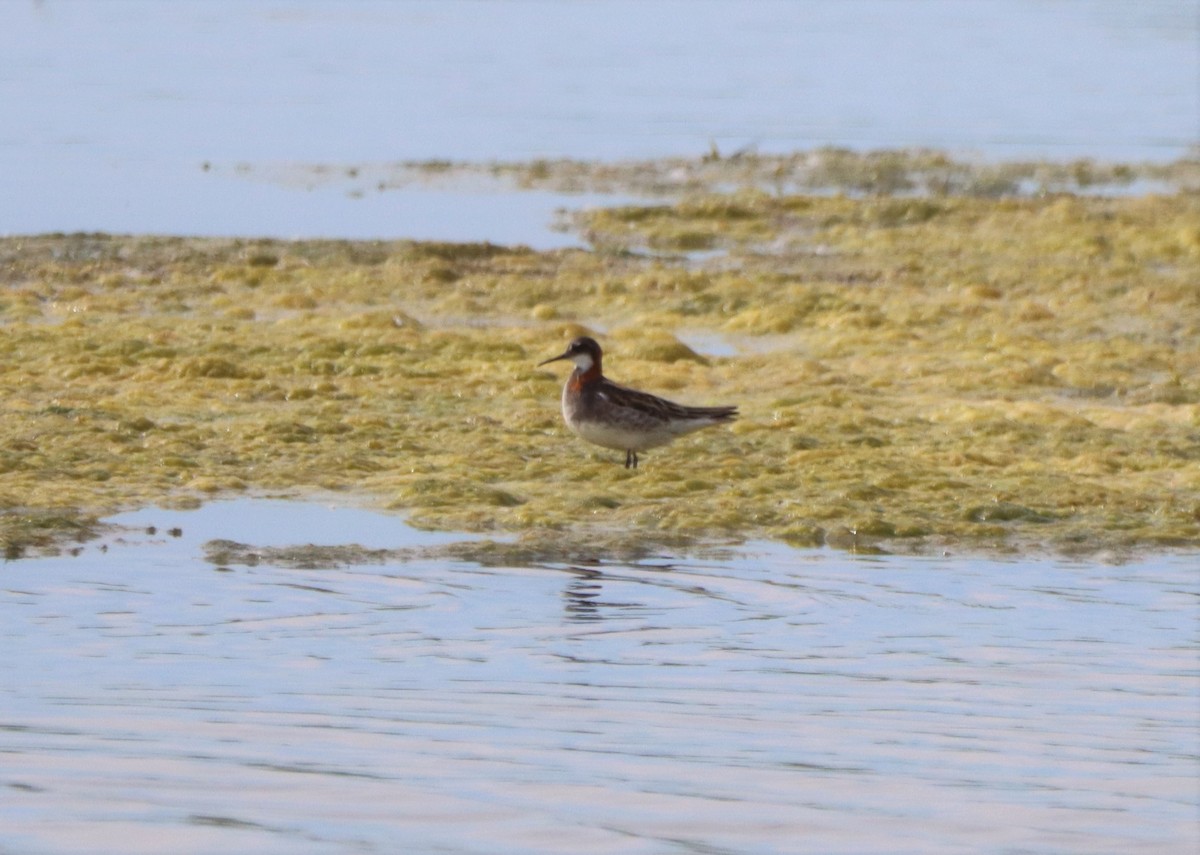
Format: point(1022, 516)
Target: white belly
point(614, 436)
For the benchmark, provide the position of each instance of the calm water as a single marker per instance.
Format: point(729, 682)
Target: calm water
point(764, 700)
point(110, 108)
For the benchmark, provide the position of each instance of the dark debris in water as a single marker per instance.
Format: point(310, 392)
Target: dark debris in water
point(224, 553)
point(529, 552)
point(575, 550)
point(26, 531)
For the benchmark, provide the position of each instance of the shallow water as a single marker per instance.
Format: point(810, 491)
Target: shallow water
point(112, 109)
point(761, 699)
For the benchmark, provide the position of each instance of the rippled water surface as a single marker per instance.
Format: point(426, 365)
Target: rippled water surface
point(758, 700)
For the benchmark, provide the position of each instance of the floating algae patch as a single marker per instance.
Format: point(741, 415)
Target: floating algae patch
point(912, 373)
point(223, 552)
point(889, 172)
point(23, 531)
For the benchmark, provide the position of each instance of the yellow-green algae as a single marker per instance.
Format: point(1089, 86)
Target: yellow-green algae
point(887, 171)
point(911, 373)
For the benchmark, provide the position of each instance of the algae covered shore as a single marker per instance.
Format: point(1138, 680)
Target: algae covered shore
point(913, 372)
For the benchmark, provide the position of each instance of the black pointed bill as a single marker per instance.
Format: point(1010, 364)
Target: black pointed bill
point(566, 354)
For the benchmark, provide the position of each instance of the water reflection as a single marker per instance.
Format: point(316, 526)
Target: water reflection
point(581, 595)
point(739, 702)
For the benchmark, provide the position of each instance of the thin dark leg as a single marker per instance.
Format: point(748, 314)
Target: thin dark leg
point(628, 458)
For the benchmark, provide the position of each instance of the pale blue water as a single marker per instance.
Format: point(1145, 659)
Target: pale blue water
point(110, 108)
point(763, 700)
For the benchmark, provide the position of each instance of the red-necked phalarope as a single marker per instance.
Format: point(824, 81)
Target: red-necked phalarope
point(613, 416)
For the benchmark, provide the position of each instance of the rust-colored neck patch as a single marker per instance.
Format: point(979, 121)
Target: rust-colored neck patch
point(580, 379)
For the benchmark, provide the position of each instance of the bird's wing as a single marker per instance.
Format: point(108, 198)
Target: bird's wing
point(659, 409)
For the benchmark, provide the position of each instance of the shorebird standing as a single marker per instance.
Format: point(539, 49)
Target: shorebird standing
point(614, 416)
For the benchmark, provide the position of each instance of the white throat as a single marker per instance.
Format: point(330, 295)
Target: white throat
point(583, 361)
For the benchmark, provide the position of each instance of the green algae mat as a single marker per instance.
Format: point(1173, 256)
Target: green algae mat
point(913, 374)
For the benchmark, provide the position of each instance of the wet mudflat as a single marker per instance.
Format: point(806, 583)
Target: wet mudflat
point(749, 699)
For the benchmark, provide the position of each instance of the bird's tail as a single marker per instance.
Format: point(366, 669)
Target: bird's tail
point(716, 414)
